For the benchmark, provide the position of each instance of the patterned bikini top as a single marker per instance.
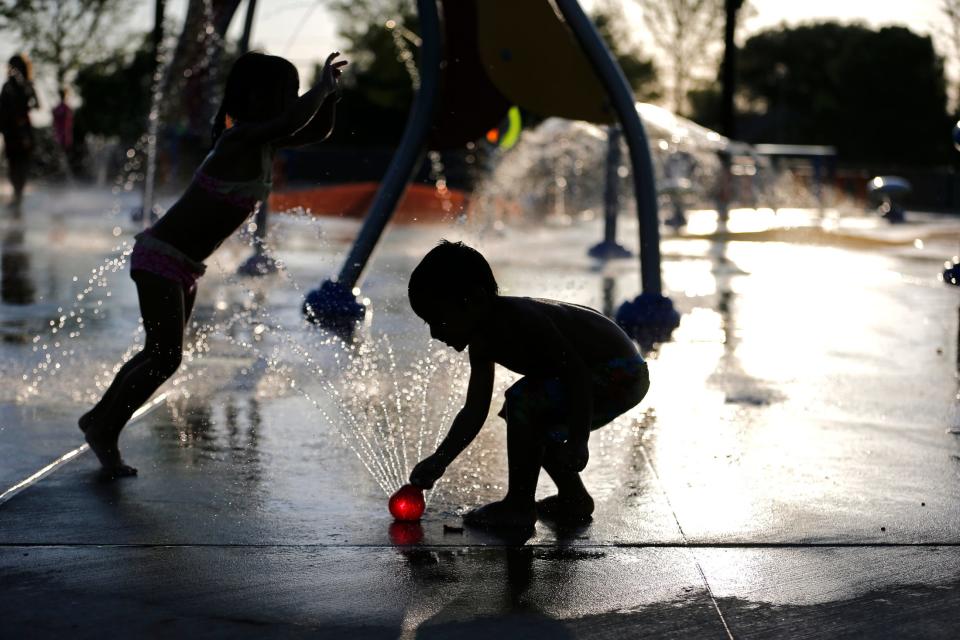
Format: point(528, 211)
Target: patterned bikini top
point(244, 194)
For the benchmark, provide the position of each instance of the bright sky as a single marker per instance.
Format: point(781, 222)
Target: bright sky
point(302, 30)
point(919, 15)
point(274, 28)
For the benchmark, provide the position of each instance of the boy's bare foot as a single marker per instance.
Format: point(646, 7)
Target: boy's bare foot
point(502, 515)
point(566, 510)
point(104, 444)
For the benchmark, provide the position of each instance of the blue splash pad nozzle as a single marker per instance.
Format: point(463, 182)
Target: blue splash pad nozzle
point(649, 318)
point(334, 306)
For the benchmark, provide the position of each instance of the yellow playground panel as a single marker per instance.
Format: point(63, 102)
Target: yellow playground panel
point(534, 60)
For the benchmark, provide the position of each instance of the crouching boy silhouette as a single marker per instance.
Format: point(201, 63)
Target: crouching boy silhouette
point(580, 371)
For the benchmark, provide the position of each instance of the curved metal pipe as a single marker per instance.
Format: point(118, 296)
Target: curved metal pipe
point(410, 151)
point(623, 103)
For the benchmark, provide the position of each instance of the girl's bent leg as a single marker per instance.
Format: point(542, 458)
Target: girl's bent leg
point(164, 307)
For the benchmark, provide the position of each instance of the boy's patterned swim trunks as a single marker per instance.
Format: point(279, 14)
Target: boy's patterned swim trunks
point(618, 386)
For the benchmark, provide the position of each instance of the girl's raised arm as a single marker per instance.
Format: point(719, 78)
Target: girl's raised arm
point(301, 112)
point(317, 130)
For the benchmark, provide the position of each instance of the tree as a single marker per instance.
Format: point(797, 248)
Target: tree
point(688, 34)
point(377, 87)
point(61, 34)
point(192, 83)
point(640, 70)
point(115, 94)
point(877, 96)
point(951, 32)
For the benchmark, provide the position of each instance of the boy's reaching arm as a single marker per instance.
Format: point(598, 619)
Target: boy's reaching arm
point(465, 426)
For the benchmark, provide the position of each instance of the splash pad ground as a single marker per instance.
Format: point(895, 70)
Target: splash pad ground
point(793, 467)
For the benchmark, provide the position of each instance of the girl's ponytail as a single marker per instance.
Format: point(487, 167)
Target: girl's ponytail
point(219, 122)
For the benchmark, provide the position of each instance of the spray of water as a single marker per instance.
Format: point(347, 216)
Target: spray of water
point(362, 392)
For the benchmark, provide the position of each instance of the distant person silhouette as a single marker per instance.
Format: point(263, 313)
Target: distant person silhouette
point(580, 372)
point(260, 113)
point(16, 286)
point(17, 99)
point(63, 128)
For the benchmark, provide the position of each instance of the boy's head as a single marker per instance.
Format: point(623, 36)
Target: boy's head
point(444, 288)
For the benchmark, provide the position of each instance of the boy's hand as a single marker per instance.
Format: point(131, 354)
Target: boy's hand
point(427, 472)
point(330, 76)
point(573, 455)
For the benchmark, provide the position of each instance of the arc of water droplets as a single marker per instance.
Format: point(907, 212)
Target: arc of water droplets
point(383, 469)
point(48, 367)
point(144, 150)
point(385, 456)
point(388, 472)
point(384, 460)
point(380, 455)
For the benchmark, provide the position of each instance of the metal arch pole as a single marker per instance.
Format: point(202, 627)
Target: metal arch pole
point(410, 151)
point(623, 102)
point(258, 264)
point(244, 44)
point(148, 196)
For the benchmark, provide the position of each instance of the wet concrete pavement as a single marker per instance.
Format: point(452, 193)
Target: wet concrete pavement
point(792, 472)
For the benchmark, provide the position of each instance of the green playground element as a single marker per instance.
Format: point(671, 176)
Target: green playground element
point(514, 126)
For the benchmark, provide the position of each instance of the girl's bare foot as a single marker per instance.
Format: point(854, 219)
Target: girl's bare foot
point(85, 421)
point(565, 510)
point(502, 515)
point(120, 471)
point(104, 444)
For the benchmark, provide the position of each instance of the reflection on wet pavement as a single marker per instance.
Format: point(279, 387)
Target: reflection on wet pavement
point(806, 399)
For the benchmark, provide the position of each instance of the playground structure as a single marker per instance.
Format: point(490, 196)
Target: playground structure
point(951, 271)
point(490, 62)
point(887, 192)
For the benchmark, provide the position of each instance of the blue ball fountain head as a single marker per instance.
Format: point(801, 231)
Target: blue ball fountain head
point(609, 251)
point(889, 192)
point(650, 318)
point(335, 307)
point(951, 275)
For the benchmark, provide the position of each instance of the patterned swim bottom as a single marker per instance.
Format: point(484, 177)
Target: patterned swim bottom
point(618, 386)
point(160, 258)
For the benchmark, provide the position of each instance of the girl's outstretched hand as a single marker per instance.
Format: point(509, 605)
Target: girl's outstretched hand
point(427, 472)
point(330, 76)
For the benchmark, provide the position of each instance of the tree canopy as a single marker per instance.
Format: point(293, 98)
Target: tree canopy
point(377, 88)
point(62, 34)
point(639, 69)
point(876, 95)
point(689, 35)
point(116, 94)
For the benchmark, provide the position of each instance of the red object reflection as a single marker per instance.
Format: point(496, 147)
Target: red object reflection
point(407, 504)
point(405, 533)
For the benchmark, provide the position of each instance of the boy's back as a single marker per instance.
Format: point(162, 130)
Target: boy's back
point(526, 335)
